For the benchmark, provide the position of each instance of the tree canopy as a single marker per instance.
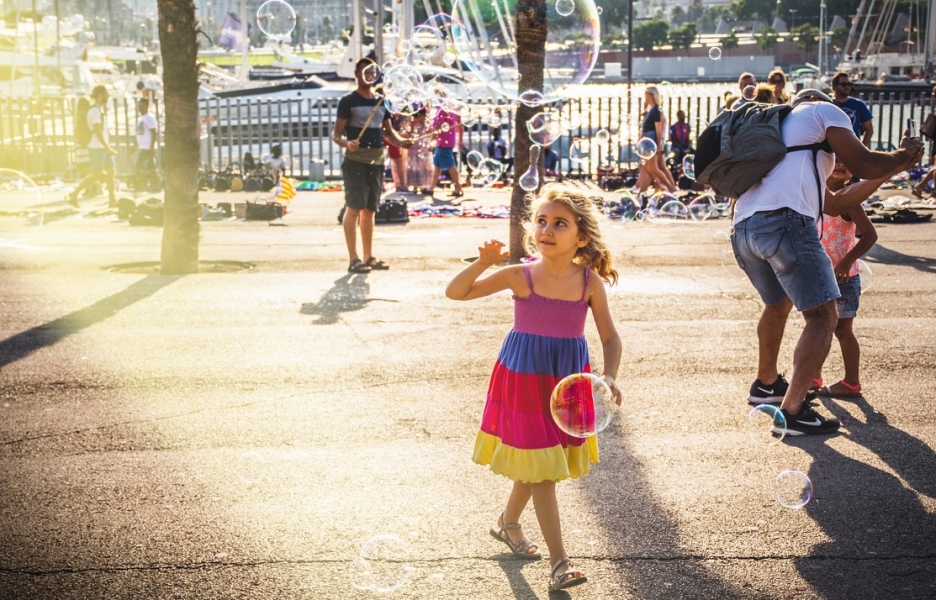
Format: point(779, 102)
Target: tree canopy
point(651, 34)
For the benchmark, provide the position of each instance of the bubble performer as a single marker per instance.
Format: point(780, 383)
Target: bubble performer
point(518, 437)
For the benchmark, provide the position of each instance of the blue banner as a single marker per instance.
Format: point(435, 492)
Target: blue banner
point(231, 34)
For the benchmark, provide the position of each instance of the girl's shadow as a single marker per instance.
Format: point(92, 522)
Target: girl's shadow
point(348, 294)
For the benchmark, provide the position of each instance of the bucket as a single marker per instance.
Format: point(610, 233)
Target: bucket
point(316, 170)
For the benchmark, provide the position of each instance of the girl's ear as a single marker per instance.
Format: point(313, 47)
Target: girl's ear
point(583, 241)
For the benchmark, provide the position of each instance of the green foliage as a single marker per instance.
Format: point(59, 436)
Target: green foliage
point(748, 9)
point(839, 37)
point(710, 18)
point(651, 34)
point(682, 37)
point(677, 15)
point(328, 29)
point(806, 37)
point(766, 38)
point(696, 8)
point(729, 42)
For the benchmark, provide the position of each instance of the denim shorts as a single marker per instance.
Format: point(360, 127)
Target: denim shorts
point(847, 303)
point(781, 254)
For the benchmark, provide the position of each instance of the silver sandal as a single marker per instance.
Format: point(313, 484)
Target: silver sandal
point(567, 579)
point(525, 548)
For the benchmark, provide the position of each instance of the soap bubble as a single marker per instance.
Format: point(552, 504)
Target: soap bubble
point(794, 489)
point(488, 49)
point(864, 273)
point(749, 92)
point(531, 98)
point(624, 208)
point(426, 46)
point(688, 166)
point(671, 212)
point(251, 467)
point(603, 136)
point(714, 53)
point(546, 127)
point(488, 171)
point(766, 425)
point(565, 7)
point(702, 207)
point(370, 74)
point(582, 405)
point(276, 19)
point(21, 210)
point(382, 565)
point(645, 148)
point(474, 159)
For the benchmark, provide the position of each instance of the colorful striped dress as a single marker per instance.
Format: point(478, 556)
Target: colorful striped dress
point(518, 437)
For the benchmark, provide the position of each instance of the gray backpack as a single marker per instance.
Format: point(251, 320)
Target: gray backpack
point(740, 146)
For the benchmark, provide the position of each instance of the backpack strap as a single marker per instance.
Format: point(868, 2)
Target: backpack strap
point(815, 148)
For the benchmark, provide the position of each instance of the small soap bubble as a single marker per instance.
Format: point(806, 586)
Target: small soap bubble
point(382, 565)
point(251, 467)
point(749, 92)
point(645, 148)
point(864, 274)
point(448, 59)
point(714, 53)
point(766, 425)
point(474, 159)
point(599, 10)
point(688, 166)
point(602, 136)
point(582, 405)
point(370, 74)
point(668, 211)
point(565, 7)
point(531, 98)
point(276, 19)
point(794, 489)
point(702, 207)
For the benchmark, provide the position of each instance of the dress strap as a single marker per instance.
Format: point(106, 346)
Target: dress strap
point(526, 271)
point(584, 291)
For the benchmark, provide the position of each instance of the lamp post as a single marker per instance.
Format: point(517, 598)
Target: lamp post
point(792, 19)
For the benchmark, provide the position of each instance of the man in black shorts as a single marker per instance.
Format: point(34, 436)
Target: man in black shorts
point(365, 121)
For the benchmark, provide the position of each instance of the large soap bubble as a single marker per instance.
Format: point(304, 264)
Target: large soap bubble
point(276, 19)
point(485, 39)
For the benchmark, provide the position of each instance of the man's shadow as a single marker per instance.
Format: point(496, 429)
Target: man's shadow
point(348, 294)
point(880, 534)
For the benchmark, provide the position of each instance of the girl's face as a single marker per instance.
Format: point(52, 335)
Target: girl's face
point(556, 231)
point(840, 172)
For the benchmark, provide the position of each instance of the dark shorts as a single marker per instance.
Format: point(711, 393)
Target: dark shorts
point(781, 254)
point(444, 158)
point(363, 184)
point(145, 161)
point(100, 159)
point(847, 304)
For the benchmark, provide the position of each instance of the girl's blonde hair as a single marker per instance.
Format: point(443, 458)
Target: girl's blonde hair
point(595, 254)
point(655, 92)
point(782, 97)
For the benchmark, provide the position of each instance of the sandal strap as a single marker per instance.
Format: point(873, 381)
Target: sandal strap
point(561, 562)
point(850, 387)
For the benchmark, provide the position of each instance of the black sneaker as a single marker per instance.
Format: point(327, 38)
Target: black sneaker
point(773, 393)
point(807, 422)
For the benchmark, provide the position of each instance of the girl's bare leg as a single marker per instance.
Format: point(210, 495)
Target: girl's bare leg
point(519, 497)
point(851, 351)
point(547, 513)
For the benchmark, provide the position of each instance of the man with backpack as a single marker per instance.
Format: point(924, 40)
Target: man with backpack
point(100, 152)
point(776, 243)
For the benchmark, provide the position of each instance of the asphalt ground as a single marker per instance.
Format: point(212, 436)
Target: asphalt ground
point(243, 432)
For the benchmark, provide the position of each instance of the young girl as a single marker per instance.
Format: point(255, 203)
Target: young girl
point(846, 238)
point(518, 437)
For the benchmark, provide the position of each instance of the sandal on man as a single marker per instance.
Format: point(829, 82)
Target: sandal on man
point(568, 578)
point(376, 265)
point(358, 267)
point(524, 548)
point(457, 194)
point(851, 391)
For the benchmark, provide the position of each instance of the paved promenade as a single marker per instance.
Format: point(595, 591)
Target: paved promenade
point(242, 432)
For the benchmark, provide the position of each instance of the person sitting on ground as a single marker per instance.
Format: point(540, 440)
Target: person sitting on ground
point(275, 161)
point(679, 137)
point(497, 150)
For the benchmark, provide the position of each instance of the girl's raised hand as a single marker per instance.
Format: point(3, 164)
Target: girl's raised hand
point(491, 252)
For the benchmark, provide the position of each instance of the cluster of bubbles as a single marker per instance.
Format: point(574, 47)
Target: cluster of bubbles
point(382, 565)
point(276, 19)
point(21, 209)
point(664, 208)
point(582, 405)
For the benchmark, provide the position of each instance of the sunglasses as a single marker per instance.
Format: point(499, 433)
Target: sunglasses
point(776, 81)
point(844, 84)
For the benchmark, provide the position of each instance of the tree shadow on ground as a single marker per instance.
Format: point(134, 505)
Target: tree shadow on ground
point(348, 294)
point(881, 534)
point(25, 343)
point(880, 254)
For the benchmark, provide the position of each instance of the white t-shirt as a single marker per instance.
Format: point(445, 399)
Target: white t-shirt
point(792, 183)
point(145, 130)
point(97, 116)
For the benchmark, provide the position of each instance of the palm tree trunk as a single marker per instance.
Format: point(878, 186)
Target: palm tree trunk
point(178, 32)
point(531, 59)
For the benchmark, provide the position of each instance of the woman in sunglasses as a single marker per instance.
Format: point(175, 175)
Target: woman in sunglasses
point(777, 80)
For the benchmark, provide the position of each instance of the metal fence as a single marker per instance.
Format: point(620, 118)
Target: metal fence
point(37, 135)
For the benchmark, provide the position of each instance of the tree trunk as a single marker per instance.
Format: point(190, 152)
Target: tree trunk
point(531, 60)
point(178, 32)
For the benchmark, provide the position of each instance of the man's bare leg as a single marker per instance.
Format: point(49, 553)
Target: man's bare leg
point(811, 352)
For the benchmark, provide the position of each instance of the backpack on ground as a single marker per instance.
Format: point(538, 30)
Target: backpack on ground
point(740, 146)
point(82, 131)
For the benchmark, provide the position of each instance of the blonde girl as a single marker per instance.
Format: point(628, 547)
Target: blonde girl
point(552, 296)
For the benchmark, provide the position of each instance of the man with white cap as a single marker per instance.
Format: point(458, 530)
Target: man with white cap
point(776, 243)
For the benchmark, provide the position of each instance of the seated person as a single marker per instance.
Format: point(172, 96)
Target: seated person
point(275, 162)
point(497, 150)
point(551, 162)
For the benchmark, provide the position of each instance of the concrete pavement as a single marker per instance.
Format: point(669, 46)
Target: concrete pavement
point(242, 432)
